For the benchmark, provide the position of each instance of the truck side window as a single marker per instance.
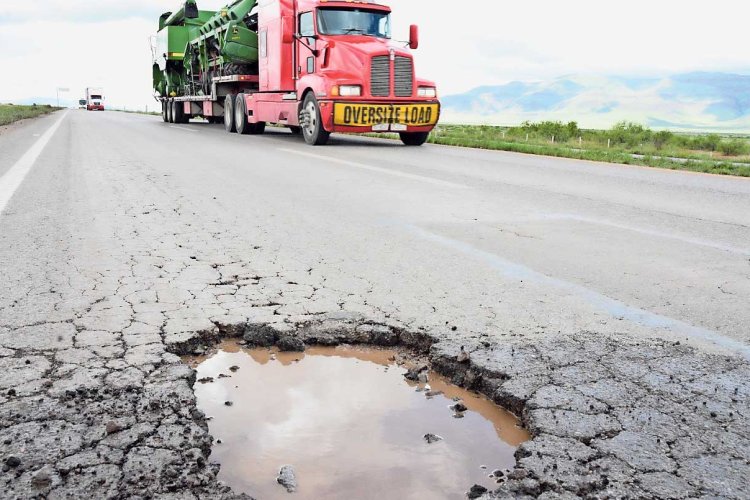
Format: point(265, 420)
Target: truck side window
point(306, 26)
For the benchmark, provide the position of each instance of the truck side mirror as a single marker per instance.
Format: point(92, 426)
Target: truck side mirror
point(413, 36)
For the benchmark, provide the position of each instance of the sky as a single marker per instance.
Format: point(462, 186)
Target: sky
point(47, 44)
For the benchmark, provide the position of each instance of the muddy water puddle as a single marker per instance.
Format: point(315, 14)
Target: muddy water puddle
point(349, 424)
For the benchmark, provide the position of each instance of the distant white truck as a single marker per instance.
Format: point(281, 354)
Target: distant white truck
point(94, 99)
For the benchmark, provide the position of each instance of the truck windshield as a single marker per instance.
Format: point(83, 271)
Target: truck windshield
point(354, 22)
point(96, 96)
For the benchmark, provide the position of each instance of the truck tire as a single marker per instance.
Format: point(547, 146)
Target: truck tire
point(164, 114)
point(178, 112)
point(413, 138)
point(241, 122)
point(312, 125)
point(229, 113)
point(240, 115)
point(170, 115)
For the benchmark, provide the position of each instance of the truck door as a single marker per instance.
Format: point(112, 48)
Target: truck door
point(306, 60)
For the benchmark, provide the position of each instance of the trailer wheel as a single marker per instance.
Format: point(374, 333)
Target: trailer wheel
point(312, 125)
point(164, 114)
point(414, 138)
point(229, 113)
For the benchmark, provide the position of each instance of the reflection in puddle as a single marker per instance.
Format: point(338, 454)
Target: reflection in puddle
point(349, 424)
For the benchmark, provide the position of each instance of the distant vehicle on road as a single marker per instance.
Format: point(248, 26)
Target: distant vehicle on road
point(81, 103)
point(94, 99)
point(314, 66)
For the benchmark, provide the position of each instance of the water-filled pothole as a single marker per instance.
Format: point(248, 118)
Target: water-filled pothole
point(349, 423)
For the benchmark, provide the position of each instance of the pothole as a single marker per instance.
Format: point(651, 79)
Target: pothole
point(352, 422)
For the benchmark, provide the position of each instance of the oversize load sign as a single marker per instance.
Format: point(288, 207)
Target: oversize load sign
point(367, 115)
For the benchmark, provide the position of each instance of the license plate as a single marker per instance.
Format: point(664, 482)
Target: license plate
point(369, 115)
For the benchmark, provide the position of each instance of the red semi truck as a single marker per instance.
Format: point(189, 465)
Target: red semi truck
point(323, 66)
point(94, 99)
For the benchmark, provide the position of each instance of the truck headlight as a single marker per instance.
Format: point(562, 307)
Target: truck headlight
point(427, 92)
point(350, 90)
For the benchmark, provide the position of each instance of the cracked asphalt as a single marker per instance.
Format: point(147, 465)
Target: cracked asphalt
point(606, 305)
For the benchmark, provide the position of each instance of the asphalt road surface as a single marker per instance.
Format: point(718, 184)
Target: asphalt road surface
point(606, 304)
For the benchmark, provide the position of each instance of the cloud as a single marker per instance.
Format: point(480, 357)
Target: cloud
point(464, 45)
point(82, 11)
point(122, 68)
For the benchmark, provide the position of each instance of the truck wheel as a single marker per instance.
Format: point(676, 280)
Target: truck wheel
point(414, 138)
point(229, 113)
point(240, 115)
point(240, 118)
point(178, 112)
point(295, 130)
point(164, 114)
point(312, 125)
point(170, 115)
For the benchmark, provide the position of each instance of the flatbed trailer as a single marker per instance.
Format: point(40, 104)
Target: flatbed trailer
point(180, 109)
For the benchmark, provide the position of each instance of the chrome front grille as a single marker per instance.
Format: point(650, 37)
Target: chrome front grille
point(380, 76)
point(404, 76)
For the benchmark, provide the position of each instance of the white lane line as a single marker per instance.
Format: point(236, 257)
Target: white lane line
point(183, 128)
point(613, 307)
point(381, 170)
point(13, 178)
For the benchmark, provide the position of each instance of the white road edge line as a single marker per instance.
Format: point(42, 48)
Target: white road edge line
point(14, 177)
point(381, 170)
point(183, 128)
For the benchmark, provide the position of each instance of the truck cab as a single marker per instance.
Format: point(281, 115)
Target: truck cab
point(94, 99)
point(332, 66)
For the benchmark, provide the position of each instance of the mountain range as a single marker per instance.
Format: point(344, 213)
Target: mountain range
point(688, 101)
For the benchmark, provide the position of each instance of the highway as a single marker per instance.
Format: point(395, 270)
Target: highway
point(126, 227)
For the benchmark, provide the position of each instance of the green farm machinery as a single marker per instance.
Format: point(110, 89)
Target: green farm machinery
point(194, 47)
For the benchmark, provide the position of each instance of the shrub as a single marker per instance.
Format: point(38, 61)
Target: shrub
point(561, 131)
point(629, 133)
point(662, 137)
point(735, 147)
point(708, 142)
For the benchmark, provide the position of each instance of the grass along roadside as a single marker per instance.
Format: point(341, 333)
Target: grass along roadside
point(625, 143)
point(612, 156)
point(10, 113)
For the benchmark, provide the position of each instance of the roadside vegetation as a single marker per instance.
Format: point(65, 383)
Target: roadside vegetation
point(626, 143)
point(10, 113)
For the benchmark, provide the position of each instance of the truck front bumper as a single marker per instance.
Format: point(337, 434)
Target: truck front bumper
point(361, 117)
